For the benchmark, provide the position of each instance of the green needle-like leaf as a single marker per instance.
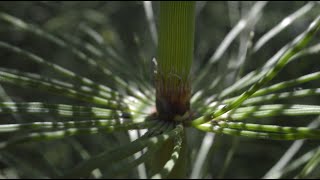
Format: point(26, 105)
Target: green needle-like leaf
point(207, 127)
point(83, 169)
point(296, 46)
point(278, 96)
point(310, 166)
point(61, 70)
point(58, 134)
point(56, 88)
point(168, 167)
point(59, 42)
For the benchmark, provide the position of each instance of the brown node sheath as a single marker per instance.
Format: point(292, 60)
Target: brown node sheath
point(173, 102)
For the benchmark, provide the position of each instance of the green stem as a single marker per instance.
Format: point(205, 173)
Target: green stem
point(175, 55)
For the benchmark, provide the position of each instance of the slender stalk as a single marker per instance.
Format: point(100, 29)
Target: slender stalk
point(175, 54)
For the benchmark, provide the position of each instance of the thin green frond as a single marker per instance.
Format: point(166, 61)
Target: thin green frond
point(286, 84)
point(229, 157)
point(308, 132)
point(106, 61)
point(59, 134)
point(5, 128)
point(203, 153)
point(56, 88)
point(61, 70)
point(286, 22)
point(284, 162)
point(59, 42)
point(295, 47)
point(84, 154)
point(124, 167)
point(265, 111)
point(310, 166)
point(80, 88)
point(62, 110)
point(279, 96)
point(208, 127)
point(254, 13)
point(296, 163)
point(168, 167)
point(84, 168)
point(255, 75)
point(147, 6)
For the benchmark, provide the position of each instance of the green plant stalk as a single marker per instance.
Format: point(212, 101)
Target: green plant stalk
point(166, 157)
point(175, 55)
point(173, 90)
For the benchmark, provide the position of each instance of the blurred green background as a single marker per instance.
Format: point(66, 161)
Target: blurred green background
point(124, 27)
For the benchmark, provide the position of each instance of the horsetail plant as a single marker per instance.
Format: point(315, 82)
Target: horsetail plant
point(154, 131)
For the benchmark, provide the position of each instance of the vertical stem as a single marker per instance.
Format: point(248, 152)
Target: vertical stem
point(173, 90)
point(175, 55)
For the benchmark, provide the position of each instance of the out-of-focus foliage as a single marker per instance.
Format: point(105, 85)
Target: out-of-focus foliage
point(124, 27)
